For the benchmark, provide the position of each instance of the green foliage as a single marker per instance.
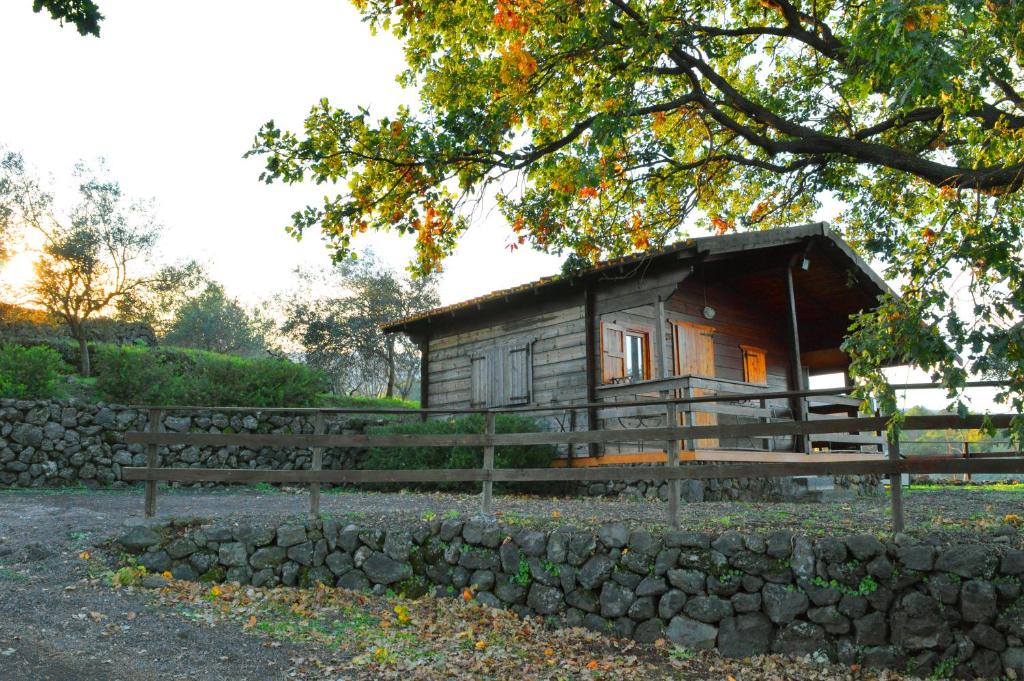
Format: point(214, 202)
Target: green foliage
point(29, 373)
point(522, 576)
point(363, 402)
point(436, 458)
point(84, 14)
point(129, 575)
point(866, 587)
point(214, 322)
point(175, 376)
point(945, 669)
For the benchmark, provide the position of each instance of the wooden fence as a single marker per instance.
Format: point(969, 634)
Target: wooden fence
point(828, 464)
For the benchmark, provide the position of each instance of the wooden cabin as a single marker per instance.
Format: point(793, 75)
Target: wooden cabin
point(740, 313)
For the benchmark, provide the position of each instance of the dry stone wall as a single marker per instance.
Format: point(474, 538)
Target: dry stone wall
point(50, 443)
point(948, 611)
point(810, 489)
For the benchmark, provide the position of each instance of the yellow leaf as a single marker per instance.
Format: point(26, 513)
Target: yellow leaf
point(84, 555)
point(481, 644)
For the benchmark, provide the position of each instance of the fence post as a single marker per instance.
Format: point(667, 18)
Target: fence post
point(672, 460)
point(316, 465)
point(488, 486)
point(155, 424)
point(896, 484)
point(967, 455)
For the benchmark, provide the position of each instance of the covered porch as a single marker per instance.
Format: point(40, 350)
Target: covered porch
point(795, 299)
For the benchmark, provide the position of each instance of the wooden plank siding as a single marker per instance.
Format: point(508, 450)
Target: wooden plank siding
point(557, 337)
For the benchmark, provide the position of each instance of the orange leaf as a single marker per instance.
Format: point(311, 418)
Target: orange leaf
point(593, 665)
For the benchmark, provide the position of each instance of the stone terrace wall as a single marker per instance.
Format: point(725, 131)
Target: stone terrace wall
point(743, 489)
point(48, 443)
point(909, 606)
point(51, 443)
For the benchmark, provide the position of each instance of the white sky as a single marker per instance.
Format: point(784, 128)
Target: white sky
point(172, 94)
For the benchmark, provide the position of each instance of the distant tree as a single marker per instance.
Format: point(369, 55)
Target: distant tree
point(12, 168)
point(341, 333)
point(84, 14)
point(157, 305)
point(213, 321)
point(94, 255)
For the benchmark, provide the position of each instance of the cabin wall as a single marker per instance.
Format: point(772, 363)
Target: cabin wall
point(558, 356)
point(737, 322)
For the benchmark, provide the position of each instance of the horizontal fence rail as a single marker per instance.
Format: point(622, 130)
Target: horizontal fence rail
point(853, 424)
point(635, 388)
point(890, 464)
point(921, 465)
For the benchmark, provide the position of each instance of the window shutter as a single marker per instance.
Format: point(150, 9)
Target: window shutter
point(480, 381)
point(613, 352)
point(496, 375)
point(518, 374)
point(754, 366)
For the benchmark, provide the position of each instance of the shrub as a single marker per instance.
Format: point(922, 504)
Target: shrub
point(29, 373)
point(175, 376)
point(418, 458)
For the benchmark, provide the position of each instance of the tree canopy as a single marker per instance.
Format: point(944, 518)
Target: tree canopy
point(214, 322)
point(608, 126)
point(83, 14)
point(96, 253)
point(339, 330)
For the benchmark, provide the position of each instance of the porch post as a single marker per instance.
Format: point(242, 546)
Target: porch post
point(671, 412)
point(798, 404)
point(424, 374)
point(592, 348)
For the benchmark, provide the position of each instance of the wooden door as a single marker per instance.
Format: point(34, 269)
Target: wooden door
point(695, 356)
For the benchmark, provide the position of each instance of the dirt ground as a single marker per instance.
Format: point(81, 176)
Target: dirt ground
point(57, 621)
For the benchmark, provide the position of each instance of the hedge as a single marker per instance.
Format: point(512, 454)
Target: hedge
point(176, 376)
point(420, 458)
point(29, 373)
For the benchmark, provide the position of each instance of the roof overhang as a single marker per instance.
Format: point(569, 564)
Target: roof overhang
point(755, 251)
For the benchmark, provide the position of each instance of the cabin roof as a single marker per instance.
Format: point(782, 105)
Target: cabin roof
point(743, 246)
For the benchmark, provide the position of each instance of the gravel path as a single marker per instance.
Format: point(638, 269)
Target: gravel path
point(57, 623)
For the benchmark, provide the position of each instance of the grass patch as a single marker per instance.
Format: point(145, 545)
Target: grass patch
point(10, 575)
point(1015, 487)
point(360, 402)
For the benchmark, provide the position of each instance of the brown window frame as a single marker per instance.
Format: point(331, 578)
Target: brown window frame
point(626, 331)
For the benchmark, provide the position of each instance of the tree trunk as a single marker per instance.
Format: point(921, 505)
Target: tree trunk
point(391, 369)
point(84, 361)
